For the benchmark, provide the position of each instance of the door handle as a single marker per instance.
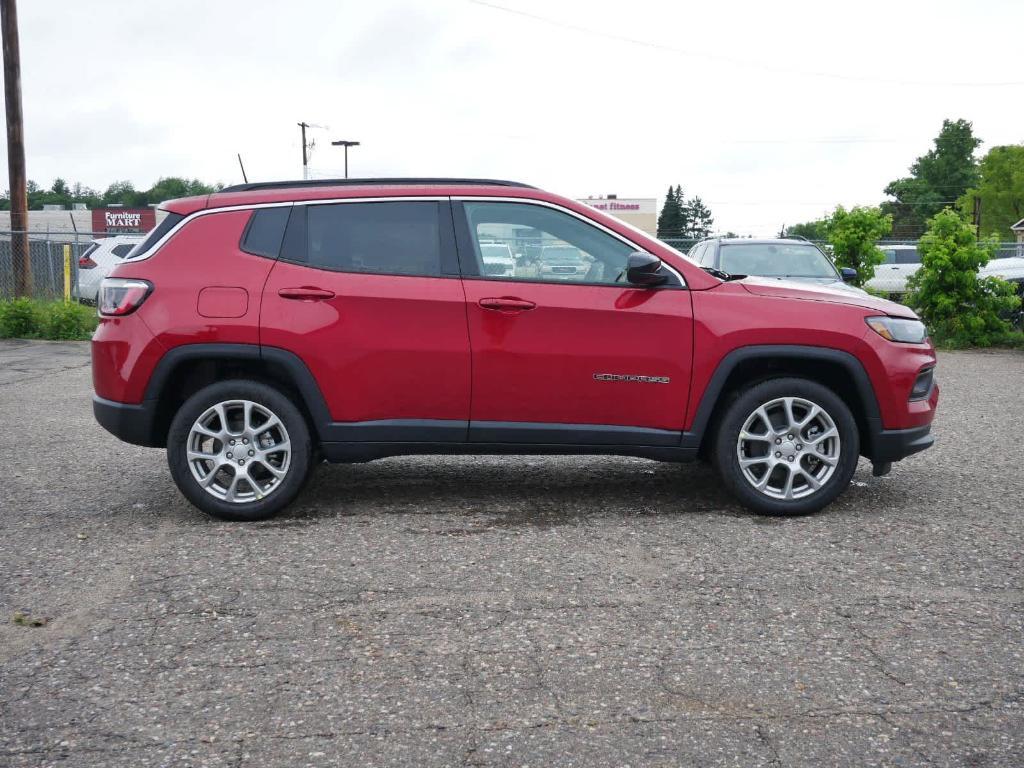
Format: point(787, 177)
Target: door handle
point(507, 304)
point(305, 293)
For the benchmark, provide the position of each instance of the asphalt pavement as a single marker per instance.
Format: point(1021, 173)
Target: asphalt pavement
point(508, 611)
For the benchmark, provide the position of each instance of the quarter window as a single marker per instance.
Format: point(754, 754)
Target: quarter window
point(400, 238)
point(521, 241)
point(265, 231)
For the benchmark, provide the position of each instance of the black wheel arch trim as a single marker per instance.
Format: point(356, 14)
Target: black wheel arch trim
point(298, 374)
point(788, 352)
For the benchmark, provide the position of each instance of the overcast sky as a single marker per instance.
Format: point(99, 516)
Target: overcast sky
point(771, 112)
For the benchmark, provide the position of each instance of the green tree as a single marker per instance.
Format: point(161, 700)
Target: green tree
point(936, 178)
point(668, 219)
point(957, 306)
point(1000, 189)
point(170, 187)
point(853, 234)
point(700, 218)
point(812, 230)
point(123, 193)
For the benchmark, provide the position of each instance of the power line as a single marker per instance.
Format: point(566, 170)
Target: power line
point(741, 62)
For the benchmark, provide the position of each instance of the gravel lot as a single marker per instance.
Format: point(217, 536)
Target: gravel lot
point(508, 611)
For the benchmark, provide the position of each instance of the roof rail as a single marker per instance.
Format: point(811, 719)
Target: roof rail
point(251, 187)
point(794, 237)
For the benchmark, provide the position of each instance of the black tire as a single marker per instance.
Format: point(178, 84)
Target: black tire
point(298, 469)
point(727, 461)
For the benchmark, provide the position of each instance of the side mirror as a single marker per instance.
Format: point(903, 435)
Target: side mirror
point(848, 274)
point(644, 269)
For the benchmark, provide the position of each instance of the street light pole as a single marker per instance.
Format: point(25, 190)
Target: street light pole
point(346, 145)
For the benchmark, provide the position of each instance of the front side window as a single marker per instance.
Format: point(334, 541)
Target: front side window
point(775, 260)
point(399, 238)
point(521, 241)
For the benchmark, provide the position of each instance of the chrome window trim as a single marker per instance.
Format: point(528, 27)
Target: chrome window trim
point(563, 209)
point(287, 203)
point(394, 199)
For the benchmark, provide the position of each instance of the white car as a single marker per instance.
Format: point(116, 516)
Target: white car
point(902, 261)
point(98, 259)
point(498, 259)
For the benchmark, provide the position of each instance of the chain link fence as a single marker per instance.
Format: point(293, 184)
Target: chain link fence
point(54, 263)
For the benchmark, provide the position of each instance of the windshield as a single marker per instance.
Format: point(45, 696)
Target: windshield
point(776, 260)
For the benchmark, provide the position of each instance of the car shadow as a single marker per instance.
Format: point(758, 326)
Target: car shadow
point(511, 491)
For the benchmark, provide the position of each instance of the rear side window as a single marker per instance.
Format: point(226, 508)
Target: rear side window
point(265, 231)
point(122, 250)
point(161, 229)
point(400, 238)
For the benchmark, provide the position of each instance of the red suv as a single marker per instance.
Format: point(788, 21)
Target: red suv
point(267, 327)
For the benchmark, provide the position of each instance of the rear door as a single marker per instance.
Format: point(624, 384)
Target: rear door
point(367, 293)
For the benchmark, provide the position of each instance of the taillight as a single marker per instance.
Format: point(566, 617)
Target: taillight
point(122, 296)
point(86, 262)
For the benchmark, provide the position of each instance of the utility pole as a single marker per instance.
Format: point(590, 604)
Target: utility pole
point(21, 264)
point(977, 217)
point(305, 157)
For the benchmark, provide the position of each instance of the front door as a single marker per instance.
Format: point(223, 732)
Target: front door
point(368, 295)
point(563, 349)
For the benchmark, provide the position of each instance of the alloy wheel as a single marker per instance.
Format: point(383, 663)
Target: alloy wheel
point(788, 448)
point(238, 451)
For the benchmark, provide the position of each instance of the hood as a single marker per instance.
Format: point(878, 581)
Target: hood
point(805, 291)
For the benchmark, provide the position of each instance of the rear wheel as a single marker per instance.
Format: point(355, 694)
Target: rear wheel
point(787, 447)
point(239, 450)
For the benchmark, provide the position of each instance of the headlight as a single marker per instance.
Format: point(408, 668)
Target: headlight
point(898, 329)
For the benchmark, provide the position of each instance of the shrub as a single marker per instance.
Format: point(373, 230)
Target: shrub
point(66, 321)
point(17, 318)
point(853, 235)
point(958, 308)
point(27, 319)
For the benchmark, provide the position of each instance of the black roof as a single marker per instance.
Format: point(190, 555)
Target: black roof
point(257, 185)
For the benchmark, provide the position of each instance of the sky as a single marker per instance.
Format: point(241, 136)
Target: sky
point(772, 112)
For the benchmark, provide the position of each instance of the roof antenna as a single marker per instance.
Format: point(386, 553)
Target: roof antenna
point(244, 177)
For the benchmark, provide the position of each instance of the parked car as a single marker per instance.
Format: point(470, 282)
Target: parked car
point(497, 259)
point(903, 261)
point(778, 258)
point(266, 326)
point(563, 262)
point(98, 259)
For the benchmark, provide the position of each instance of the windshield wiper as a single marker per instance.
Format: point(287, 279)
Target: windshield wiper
point(722, 275)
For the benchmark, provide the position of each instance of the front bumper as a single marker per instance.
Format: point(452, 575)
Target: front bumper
point(132, 423)
point(890, 445)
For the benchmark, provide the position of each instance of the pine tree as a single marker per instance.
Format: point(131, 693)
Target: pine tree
point(701, 219)
point(666, 219)
point(683, 213)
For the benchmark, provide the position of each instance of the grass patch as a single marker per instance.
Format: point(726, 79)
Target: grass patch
point(23, 619)
point(54, 320)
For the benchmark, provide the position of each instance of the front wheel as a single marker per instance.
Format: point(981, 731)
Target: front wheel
point(787, 447)
point(239, 450)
